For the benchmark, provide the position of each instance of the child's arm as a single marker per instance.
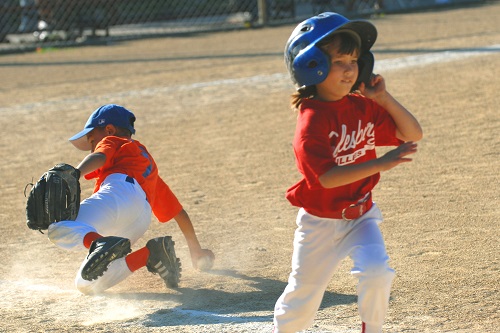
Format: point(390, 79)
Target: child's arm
point(408, 128)
point(195, 249)
point(343, 175)
point(91, 162)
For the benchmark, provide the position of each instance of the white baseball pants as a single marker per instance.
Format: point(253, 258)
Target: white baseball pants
point(320, 244)
point(119, 208)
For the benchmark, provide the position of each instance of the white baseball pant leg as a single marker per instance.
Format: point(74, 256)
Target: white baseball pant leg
point(320, 245)
point(119, 208)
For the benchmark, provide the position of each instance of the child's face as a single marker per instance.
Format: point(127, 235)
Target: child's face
point(342, 76)
point(95, 136)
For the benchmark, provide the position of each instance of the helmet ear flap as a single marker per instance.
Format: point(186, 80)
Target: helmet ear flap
point(311, 66)
point(366, 61)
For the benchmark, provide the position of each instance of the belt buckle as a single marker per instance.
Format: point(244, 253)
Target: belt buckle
point(361, 211)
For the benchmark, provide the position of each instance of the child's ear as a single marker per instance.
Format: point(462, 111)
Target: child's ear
point(110, 129)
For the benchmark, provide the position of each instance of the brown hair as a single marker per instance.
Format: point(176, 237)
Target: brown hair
point(300, 94)
point(348, 43)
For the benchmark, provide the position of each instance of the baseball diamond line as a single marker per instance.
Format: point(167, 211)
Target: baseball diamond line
point(223, 318)
point(260, 323)
point(381, 66)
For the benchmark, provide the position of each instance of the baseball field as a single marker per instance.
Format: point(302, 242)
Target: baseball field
point(213, 110)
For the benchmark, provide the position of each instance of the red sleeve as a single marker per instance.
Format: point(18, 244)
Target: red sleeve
point(166, 205)
point(312, 147)
point(385, 127)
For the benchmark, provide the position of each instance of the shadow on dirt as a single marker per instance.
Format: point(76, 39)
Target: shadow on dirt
point(217, 306)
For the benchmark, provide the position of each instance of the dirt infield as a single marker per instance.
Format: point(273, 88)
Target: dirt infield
point(217, 121)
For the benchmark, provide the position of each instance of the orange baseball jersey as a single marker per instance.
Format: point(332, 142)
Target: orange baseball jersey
point(130, 157)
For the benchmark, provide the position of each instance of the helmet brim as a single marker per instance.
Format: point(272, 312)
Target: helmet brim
point(364, 29)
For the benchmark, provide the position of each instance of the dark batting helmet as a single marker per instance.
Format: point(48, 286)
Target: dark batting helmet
point(306, 62)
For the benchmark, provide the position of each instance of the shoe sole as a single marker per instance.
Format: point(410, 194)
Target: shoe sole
point(96, 267)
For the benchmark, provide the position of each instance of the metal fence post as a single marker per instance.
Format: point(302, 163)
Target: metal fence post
point(263, 17)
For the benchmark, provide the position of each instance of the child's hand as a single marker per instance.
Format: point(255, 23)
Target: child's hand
point(203, 260)
point(376, 90)
point(397, 156)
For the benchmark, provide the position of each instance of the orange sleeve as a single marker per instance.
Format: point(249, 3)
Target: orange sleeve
point(166, 205)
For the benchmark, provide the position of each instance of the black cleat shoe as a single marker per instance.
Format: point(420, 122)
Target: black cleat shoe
point(101, 253)
point(162, 260)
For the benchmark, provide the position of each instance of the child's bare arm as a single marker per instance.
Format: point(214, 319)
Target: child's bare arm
point(343, 175)
point(91, 162)
point(187, 229)
point(408, 128)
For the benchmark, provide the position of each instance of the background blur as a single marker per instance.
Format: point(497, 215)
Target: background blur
point(28, 24)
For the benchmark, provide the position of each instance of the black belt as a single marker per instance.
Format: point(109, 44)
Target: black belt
point(132, 181)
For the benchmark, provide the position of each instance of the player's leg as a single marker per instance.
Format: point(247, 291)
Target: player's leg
point(371, 267)
point(158, 255)
point(123, 207)
point(314, 260)
point(116, 272)
point(107, 272)
point(132, 219)
point(119, 208)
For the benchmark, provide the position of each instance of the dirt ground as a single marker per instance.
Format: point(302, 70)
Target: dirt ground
point(213, 110)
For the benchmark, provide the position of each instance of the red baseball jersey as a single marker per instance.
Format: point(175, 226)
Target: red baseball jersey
point(330, 134)
point(130, 157)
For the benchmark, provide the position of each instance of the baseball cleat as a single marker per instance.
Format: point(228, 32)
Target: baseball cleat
point(101, 253)
point(162, 260)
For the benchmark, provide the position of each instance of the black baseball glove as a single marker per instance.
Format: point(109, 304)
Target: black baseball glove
point(53, 198)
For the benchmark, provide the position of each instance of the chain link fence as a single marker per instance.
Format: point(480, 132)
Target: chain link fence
point(32, 23)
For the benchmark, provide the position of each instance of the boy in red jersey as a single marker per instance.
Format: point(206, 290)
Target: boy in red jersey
point(334, 144)
point(127, 191)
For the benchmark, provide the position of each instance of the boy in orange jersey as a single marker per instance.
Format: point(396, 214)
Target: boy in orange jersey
point(127, 191)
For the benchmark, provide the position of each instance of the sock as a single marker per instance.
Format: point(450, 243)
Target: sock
point(89, 238)
point(137, 259)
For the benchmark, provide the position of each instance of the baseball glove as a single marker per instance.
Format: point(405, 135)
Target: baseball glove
point(53, 198)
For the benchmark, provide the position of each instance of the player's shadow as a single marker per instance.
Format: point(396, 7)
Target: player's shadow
point(217, 306)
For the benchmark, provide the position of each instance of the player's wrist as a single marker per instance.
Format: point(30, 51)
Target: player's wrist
point(384, 99)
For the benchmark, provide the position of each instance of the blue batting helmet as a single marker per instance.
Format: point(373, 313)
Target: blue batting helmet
point(306, 62)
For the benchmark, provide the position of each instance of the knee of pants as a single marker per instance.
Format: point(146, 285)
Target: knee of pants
point(116, 272)
point(87, 289)
point(374, 264)
point(381, 273)
point(379, 277)
point(69, 234)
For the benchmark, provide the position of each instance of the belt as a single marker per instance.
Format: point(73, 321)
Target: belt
point(131, 180)
point(356, 210)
